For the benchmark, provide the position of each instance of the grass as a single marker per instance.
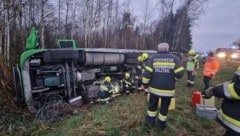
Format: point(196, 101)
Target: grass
point(125, 116)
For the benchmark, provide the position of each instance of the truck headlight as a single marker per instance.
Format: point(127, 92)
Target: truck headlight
point(221, 55)
point(234, 56)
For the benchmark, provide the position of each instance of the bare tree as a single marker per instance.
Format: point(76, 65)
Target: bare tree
point(42, 22)
point(1, 26)
point(166, 7)
point(7, 19)
point(190, 12)
point(116, 24)
point(108, 16)
point(146, 17)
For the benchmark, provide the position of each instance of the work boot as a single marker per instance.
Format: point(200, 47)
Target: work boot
point(146, 92)
point(104, 102)
point(191, 85)
point(161, 125)
point(149, 122)
point(139, 90)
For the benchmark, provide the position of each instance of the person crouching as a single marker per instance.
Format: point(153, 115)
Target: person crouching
point(127, 82)
point(106, 90)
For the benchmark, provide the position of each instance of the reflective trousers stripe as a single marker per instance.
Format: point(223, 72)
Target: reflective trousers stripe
point(162, 117)
point(160, 92)
point(151, 113)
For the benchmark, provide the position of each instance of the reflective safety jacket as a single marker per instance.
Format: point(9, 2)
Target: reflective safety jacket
point(211, 67)
point(128, 84)
point(161, 72)
point(193, 63)
point(106, 89)
point(139, 71)
point(229, 114)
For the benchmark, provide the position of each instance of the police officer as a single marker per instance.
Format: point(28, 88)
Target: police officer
point(229, 114)
point(106, 90)
point(161, 72)
point(192, 66)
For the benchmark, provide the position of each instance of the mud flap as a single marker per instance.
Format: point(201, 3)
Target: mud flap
point(18, 85)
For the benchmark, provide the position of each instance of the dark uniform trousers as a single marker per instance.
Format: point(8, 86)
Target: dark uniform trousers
point(190, 77)
point(153, 106)
point(206, 81)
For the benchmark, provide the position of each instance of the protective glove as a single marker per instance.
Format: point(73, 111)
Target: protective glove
point(208, 93)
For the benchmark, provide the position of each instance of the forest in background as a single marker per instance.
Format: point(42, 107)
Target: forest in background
point(92, 24)
point(96, 23)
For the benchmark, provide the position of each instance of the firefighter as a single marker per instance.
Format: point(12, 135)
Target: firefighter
point(160, 75)
point(106, 90)
point(229, 113)
point(192, 66)
point(145, 57)
point(139, 72)
point(210, 69)
point(128, 83)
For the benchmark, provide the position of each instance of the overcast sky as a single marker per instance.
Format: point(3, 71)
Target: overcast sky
point(218, 27)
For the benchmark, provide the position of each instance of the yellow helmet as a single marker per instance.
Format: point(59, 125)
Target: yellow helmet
point(127, 75)
point(192, 52)
point(107, 79)
point(139, 58)
point(145, 56)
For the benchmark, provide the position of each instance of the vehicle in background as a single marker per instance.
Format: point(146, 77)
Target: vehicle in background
point(228, 54)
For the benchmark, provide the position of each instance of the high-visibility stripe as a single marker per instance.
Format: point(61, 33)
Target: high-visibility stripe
point(164, 64)
point(148, 68)
point(151, 113)
point(230, 92)
point(160, 92)
point(162, 117)
point(179, 69)
point(145, 80)
point(105, 99)
point(127, 82)
point(190, 66)
point(229, 121)
point(103, 88)
point(191, 82)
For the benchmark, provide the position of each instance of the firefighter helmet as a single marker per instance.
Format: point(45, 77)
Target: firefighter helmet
point(145, 56)
point(140, 58)
point(127, 75)
point(192, 52)
point(107, 79)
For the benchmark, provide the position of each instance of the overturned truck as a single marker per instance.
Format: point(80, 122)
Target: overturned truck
point(74, 74)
